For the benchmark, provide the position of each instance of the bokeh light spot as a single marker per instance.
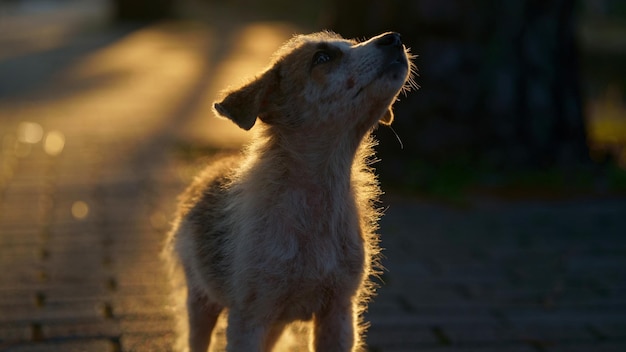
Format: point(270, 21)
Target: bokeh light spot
point(54, 143)
point(80, 210)
point(29, 132)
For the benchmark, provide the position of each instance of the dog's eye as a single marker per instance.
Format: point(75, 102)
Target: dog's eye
point(321, 57)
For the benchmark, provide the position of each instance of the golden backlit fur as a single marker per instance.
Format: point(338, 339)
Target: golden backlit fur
point(286, 231)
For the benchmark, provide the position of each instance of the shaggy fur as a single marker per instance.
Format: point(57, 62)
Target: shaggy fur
point(285, 231)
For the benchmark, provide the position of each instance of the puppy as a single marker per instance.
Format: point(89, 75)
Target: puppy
point(286, 231)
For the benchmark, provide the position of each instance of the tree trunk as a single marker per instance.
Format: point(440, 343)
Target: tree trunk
point(499, 81)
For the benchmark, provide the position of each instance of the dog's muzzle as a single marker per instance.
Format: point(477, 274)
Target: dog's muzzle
point(391, 44)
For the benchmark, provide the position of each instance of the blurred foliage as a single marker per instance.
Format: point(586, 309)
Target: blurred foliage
point(500, 81)
point(602, 32)
point(604, 8)
point(454, 181)
point(608, 119)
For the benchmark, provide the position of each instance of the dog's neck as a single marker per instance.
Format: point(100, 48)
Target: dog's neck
point(312, 159)
point(306, 179)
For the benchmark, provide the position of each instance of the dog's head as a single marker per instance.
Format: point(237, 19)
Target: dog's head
point(322, 79)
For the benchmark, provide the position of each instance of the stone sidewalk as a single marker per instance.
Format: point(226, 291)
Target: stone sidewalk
point(503, 276)
point(96, 146)
point(80, 234)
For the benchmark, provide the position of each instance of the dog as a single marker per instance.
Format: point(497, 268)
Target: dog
point(286, 231)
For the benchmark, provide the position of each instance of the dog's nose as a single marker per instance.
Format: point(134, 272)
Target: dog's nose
point(392, 39)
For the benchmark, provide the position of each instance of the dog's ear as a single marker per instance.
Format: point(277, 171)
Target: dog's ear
point(387, 118)
point(245, 104)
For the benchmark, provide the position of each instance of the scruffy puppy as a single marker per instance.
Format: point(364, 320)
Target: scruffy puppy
point(286, 231)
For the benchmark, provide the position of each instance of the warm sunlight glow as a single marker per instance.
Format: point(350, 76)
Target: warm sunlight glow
point(29, 132)
point(54, 143)
point(136, 84)
point(8, 141)
point(158, 220)
point(30, 27)
point(140, 79)
point(252, 48)
point(153, 80)
point(80, 210)
point(22, 150)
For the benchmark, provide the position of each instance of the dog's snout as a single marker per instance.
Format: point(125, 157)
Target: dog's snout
point(391, 39)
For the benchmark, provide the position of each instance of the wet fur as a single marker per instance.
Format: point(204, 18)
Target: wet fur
point(286, 231)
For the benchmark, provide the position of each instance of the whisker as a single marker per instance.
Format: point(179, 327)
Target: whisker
point(397, 137)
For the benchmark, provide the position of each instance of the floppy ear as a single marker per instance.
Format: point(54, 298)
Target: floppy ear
point(245, 104)
point(387, 118)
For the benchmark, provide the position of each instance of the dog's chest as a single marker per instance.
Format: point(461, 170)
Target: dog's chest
point(297, 242)
point(316, 231)
point(308, 245)
point(314, 267)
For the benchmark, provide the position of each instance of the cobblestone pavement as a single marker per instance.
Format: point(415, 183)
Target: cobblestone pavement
point(503, 276)
point(91, 163)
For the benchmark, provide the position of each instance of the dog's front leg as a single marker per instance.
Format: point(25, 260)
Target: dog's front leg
point(202, 318)
point(245, 334)
point(335, 327)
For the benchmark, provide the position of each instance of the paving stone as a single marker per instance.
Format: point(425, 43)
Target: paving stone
point(51, 312)
point(139, 305)
point(100, 328)
point(496, 348)
point(19, 238)
point(16, 297)
point(383, 337)
point(10, 333)
point(71, 346)
point(609, 330)
point(148, 342)
point(587, 347)
point(558, 316)
point(432, 320)
point(563, 331)
point(478, 334)
point(148, 324)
